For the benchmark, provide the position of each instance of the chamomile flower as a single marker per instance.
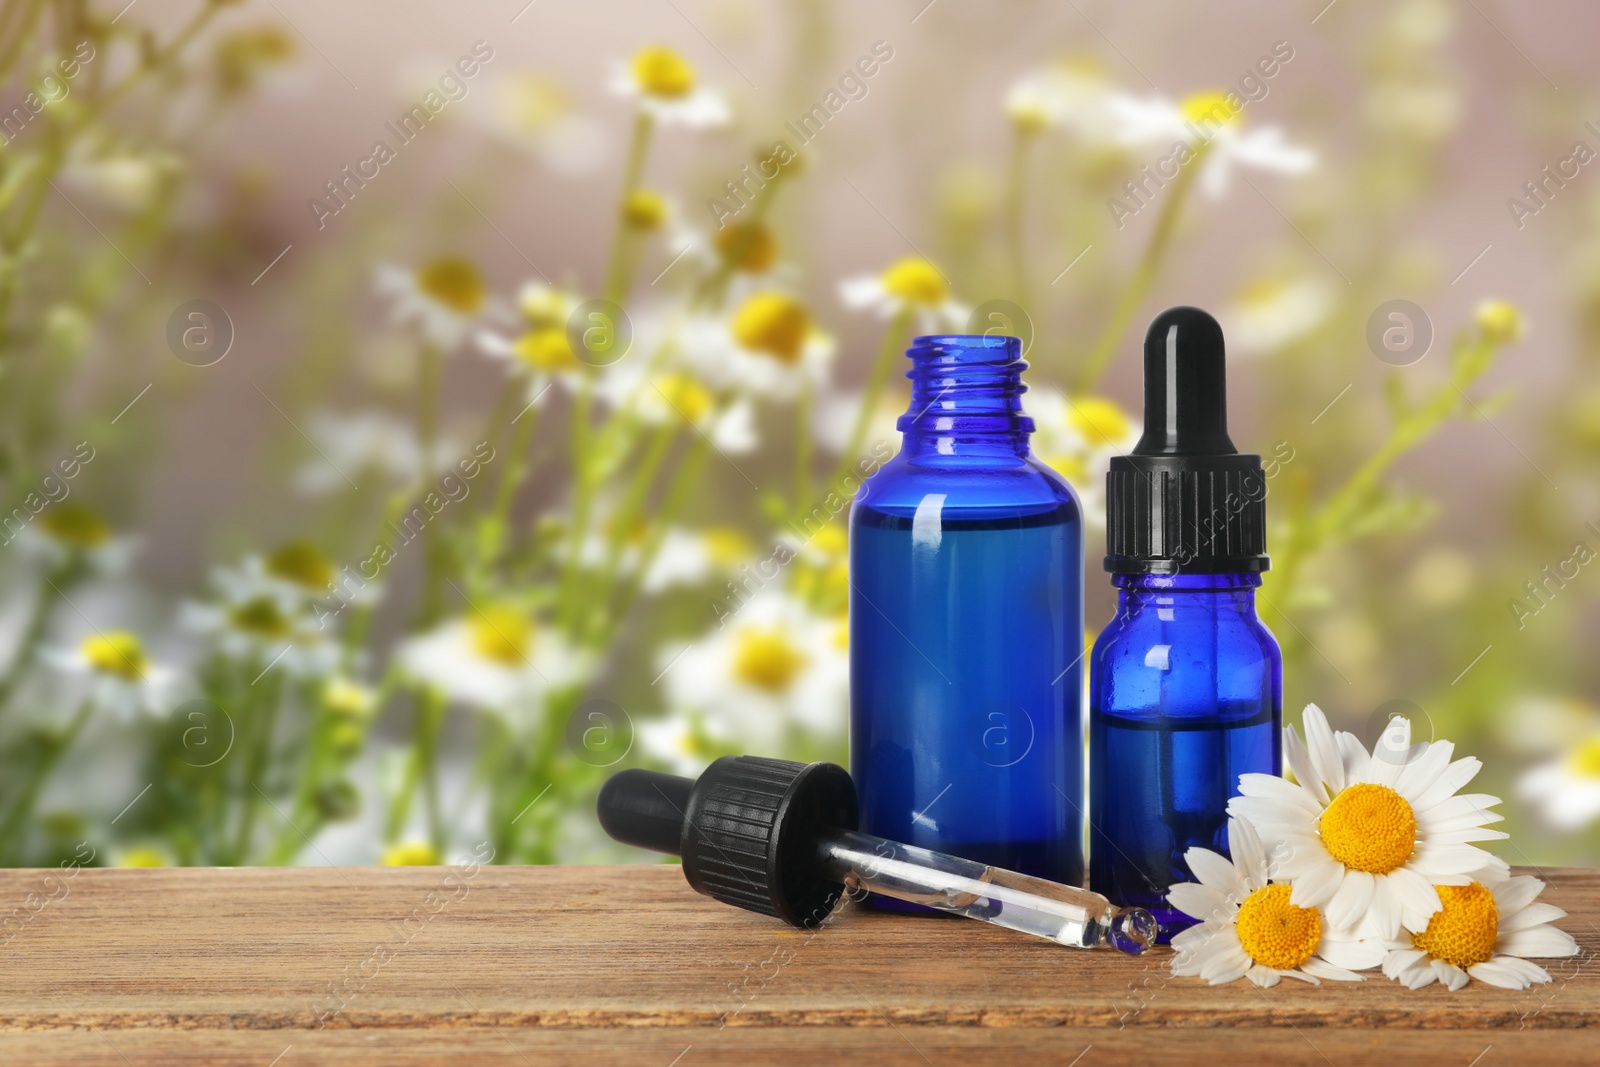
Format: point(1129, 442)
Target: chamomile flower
point(1076, 437)
point(411, 854)
point(1483, 930)
point(666, 87)
point(1369, 834)
point(1567, 789)
point(444, 298)
point(70, 532)
point(908, 285)
point(1273, 312)
point(266, 609)
point(541, 347)
point(770, 347)
point(537, 115)
point(772, 663)
point(497, 658)
point(834, 416)
point(360, 444)
point(657, 396)
point(1249, 927)
point(124, 680)
point(1211, 124)
point(1070, 94)
point(676, 742)
point(690, 557)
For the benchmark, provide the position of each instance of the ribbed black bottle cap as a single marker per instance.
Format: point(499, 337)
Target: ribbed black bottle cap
point(1185, 501)
point(747, 829)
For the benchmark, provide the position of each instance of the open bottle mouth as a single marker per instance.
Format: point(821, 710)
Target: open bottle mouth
point(966, 387)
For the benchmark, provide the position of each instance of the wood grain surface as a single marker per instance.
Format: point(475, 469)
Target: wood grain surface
point(627, 965)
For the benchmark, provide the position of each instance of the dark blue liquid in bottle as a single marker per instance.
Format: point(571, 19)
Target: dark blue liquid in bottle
point(1184, 697)
point(1185, 684)
point(966, 626)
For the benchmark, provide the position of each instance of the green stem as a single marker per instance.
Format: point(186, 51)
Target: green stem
point(802, 450)
point(492, 530)
point(887, 351)
point(583, 500)
point(15, 821)
point(1139, 282)
point(617, 269)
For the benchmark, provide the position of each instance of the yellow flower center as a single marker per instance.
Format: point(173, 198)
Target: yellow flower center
point(502, 634)
point(1464, 929)
point(1369, 828)
point(1100, 421)
point(260, 617)
point(145, 856)
point(543, 306)
point(546, 349)
point(726, 545)
point(1499, 320)
point(300, 562)
point(118, 654)
point(348, 699)
point(455, 283)
point(831, 541)
point(841, 636)
point(411, 854)
point(767, 660)
point(915, 281)
point(1585, 759)
point(663, 72)
point(75, 524)
point(1209, 107)
point(644, 209)
point(750, 247)
point(687, 396)
point(774, 324)
point(1276, 933)
point(535, 103)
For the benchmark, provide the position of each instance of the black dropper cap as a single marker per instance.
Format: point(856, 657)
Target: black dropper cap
point(747, 829)
point(1185, 501)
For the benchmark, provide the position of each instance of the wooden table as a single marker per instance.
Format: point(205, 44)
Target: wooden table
point(626, 965)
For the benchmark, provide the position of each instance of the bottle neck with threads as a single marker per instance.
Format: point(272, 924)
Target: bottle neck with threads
point(966, 406)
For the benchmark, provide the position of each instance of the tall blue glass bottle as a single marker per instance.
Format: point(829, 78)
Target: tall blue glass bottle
point(966, 625)
point(1185, 683)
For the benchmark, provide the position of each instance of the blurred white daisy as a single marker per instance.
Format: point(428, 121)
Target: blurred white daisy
point(908, 285)
point(536, 114)
point(1076, 437)
point(773, 664)
point(70, 533)
point(1369, 834)
point(833, 422)
point(360, 444)
point(666, 88)
point(1567, 789)
point(1482, 930)
point(498, 659)
point(124, 680)
point(770, 347)
point(1208, 123)
point(259, 630)
point(1249, 928)
point(1070, 94)
point(444, 298)
point(1272, 312)
point(690, 557)
point(676, 742)
point(122, 179)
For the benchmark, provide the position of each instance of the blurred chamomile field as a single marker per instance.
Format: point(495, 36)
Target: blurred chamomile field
point(410, 415)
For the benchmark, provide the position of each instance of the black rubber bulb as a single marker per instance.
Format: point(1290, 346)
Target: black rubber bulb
point(1185, 387)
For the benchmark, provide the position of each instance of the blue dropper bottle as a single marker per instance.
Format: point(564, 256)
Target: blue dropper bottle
point(1185, 683)
point(966, 626)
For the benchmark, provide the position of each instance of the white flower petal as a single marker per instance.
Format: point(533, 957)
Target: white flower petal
point(1401, 960)
point(1449, 975)
point(1543, 942)
point(1326, 762)
point(1318, 884)
point(1202, 902)
point(1249, 857)
point(1265, 977)
point(1422, 772)
point(1449, 781)
point(1496, 973)
point(1215, 871)
point(1324, 969)
point(1514, 894)
point(1352, 900)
